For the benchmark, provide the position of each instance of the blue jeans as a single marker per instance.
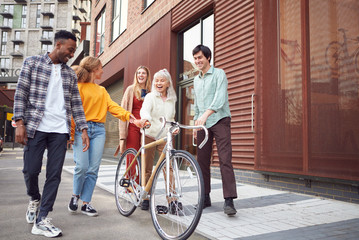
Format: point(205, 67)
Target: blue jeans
point(88, 163)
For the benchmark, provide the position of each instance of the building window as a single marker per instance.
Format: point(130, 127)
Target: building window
point(8, 22)
point(147, 3)
point(52, 8)
point(9, 9)
point(17, 35)
point(308, 88)
point(23, 22)
point(201, 33)
point(51, 22)
point(119, 21)
point(38, 15)
point(16, 47)
point(23, 16)
point(47, 34)
point(46, 48)
point(100, 33)
point(4, 37)
point(5, 63)
point(3, 43)
point(3, 49)
point(24, 10)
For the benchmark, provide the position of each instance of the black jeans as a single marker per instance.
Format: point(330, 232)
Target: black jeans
point(56, 144)
point(221, 131)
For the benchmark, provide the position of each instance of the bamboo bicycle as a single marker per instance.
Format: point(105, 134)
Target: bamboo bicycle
point(176, 185)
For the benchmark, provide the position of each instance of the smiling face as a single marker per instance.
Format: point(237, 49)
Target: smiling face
point(65, 50)
point(141, 77)
point(161, 84)
point(201, 62)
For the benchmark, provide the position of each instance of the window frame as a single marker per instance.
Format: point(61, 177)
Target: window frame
point(146, 4)
point(101, 17)
point(4, 40)
point(119, 18)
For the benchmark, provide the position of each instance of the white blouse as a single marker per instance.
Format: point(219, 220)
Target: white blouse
point(153, 108)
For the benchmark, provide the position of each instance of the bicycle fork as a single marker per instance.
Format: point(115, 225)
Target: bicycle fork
point(172, 193)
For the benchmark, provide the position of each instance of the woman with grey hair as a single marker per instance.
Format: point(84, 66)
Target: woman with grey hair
point(159, 102)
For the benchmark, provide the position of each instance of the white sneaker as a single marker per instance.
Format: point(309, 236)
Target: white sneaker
point(46, 228)
point(32, 210)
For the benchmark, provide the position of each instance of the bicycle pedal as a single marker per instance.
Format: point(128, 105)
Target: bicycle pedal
point(160, 209)
point(125, 182)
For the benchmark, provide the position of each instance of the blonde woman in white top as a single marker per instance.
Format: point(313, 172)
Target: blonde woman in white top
point(161, 101)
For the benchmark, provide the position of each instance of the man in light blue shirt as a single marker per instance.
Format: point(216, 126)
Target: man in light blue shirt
point(212, 110)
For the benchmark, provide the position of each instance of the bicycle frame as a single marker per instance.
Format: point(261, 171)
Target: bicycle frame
point(166, 154)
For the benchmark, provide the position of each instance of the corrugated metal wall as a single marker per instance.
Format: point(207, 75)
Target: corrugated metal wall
point(234, 52)
point(187, 11)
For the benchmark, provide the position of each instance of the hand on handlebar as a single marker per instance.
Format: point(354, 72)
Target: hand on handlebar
point(141, 123)
point(194, 133)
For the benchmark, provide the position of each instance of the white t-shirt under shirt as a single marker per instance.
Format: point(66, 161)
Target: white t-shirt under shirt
point(54, 119)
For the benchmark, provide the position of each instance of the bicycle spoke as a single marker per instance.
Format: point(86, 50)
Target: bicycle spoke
point(126, 199)
point(176, 216)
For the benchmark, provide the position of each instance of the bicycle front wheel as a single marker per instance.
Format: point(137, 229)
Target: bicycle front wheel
point(176, 215)
point(126, 184)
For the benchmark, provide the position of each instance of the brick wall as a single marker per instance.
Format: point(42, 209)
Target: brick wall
point(138, 21)
point(337, 191)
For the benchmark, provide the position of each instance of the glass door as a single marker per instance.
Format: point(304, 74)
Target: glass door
point(187, 110)
point(200, 32)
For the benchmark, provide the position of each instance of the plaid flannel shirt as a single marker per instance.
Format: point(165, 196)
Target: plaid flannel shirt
point(31, 90)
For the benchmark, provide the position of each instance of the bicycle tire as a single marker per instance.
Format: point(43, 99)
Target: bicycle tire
point(332, 53)
point(179, 219)
point(125, 197)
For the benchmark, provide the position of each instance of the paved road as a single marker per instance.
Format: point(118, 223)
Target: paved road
point(108, 225)
point(263, 214)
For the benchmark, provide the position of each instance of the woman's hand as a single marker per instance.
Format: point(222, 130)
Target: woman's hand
point(141, 123)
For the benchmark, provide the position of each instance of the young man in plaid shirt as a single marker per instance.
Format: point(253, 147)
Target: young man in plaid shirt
point(45, 99)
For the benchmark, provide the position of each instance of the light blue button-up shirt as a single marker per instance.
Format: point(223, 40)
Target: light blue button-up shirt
point(211, 93)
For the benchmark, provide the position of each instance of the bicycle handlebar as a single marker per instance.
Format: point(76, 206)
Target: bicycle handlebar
point(164, 122)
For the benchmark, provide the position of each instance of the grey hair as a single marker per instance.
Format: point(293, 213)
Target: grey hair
point(171, 93)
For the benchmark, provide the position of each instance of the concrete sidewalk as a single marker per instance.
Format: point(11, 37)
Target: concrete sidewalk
point(265, 213)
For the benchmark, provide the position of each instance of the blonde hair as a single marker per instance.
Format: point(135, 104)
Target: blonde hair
point(82, 74)
point(90, 64)
point(137, 88)
point(171, 93)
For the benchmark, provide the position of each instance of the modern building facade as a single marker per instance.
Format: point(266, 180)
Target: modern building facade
point(292, 68)
point(27, 28)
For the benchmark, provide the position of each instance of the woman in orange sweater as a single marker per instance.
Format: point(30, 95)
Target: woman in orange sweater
point(96, 103)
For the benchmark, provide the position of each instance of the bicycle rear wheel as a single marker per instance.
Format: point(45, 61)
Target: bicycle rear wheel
point(125, 195)
point(177, 216)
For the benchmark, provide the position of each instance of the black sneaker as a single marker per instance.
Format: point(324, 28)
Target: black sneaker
point(229, 207)
point(145, 205)
point(175, 208)
point(207, 201)
point(89, 210)
point(73, 205)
